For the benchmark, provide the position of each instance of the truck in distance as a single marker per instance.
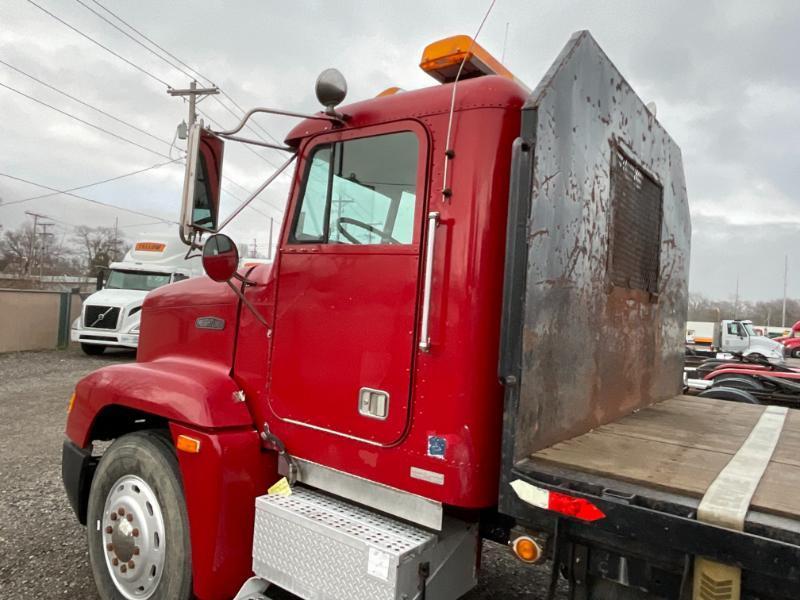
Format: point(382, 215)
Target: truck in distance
point(110, 317)
point(473, 329)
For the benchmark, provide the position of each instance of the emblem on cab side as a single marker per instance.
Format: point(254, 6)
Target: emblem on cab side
point(210, 323)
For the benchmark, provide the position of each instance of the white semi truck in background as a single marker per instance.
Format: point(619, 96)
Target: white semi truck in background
point(110, 316)
point(733, 335)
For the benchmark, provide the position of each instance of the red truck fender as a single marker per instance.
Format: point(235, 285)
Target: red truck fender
point(200, 394)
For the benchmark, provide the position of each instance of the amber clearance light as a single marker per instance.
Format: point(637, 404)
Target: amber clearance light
point(187, 444)
point(526, 549)
point(442, 59)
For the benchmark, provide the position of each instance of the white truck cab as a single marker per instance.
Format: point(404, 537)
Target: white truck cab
point(110, 316)
point(739, 336)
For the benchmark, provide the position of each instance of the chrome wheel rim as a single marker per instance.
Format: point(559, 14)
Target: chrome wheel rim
point(134, 543)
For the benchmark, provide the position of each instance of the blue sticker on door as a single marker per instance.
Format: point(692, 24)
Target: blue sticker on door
point(436, 446)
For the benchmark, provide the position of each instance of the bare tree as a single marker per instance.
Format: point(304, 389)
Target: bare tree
point(99, 246)
point(16, 247)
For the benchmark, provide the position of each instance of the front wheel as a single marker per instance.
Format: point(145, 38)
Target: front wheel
point(93, 349)
point(137, 526)
point(796, 352)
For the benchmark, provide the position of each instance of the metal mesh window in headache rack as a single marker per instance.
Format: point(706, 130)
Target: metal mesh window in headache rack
point(636, 214)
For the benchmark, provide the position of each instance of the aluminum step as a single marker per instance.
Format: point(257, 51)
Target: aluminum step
point(323, 548)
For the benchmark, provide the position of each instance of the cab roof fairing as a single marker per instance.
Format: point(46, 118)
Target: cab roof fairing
point(480, 92)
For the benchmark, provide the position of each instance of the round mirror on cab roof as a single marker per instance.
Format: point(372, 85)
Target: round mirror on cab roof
point(220, 257)
point(331, 89)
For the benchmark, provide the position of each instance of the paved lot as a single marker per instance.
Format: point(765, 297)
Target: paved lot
point(43, 549)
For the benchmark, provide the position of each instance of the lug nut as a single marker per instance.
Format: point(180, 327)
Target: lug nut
point(121, 512)
point(114, 561)
point(124, 569)
point(109, 529)
point(135, 532)
point(131, 564)
point(136, 550)
point(113, 516)
point(129, 516)
point(110, 547)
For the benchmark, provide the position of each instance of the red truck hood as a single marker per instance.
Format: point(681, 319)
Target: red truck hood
point(195, 317)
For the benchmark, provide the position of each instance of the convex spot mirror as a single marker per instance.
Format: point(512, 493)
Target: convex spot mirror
point(220, 257)
point(202, 181)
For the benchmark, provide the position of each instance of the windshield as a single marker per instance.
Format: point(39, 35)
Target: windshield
point(749, 328)
point(135, 280)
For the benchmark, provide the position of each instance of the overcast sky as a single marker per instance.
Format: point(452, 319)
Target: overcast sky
point(724, 76)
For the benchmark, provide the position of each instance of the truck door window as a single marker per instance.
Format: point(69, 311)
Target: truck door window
point(360, 191)
point(733, 329)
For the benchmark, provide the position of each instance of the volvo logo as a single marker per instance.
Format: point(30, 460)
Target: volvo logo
point(101, 317)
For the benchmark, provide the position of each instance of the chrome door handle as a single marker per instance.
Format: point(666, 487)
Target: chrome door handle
point(425, 338)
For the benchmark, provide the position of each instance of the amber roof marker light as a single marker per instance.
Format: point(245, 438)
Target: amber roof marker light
point(442, 59)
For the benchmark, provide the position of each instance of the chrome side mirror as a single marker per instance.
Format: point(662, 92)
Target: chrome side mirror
point(202, 182)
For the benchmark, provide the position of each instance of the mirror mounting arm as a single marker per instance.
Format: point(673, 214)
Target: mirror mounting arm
point(333, 118)
point(243, 298)
point(260, 189)
point(236, 138)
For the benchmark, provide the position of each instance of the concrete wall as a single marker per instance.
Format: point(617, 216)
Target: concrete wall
point(30, 319)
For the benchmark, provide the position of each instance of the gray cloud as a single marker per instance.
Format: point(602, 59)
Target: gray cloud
point(723, 74)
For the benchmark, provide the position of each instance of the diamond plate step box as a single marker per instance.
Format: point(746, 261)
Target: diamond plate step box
point(323, 548)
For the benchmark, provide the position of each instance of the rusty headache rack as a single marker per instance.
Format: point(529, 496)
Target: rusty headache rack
point(591, 357)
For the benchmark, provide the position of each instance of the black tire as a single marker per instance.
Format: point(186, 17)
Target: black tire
point(149, 456)
point(93, 349)
point(795, 352)
point(732, 394)
point(740, 382)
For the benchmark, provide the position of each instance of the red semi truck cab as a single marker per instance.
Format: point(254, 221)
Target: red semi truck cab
point(337, 374)
point(409, 353)
point(792, 341)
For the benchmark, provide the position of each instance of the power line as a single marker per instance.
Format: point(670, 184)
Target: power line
point(79, 101)
point(88, 185)
point(164, 50)
point(106, 131)
point(106, 48)
point(194, 72)
point(129, 36)
point(66, 193)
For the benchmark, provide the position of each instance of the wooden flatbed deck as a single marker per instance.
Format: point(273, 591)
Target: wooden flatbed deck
point(680, 445)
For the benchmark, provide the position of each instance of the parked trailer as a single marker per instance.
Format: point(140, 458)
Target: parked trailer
point(363, 366)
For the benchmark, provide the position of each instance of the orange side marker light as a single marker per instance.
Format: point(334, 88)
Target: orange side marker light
point(187, 444)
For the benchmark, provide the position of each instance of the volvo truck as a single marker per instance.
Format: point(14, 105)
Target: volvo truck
point(110, 317)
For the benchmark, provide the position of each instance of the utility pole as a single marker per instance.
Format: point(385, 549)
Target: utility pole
point(505, 41)
point(254, 251)
point(736, 299)
point(193, 92)
point(114, 247)
point(32, 245)
point(269, 246)
point(785, 282)
point(43, 251)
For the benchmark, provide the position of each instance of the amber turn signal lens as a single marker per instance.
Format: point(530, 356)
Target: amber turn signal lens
point(526, 549)
point(71, 403)
point(187, 444)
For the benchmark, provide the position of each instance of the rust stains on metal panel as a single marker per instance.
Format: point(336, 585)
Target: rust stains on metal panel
point(595, 347)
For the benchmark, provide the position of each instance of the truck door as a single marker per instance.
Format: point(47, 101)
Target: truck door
point(734, 337)
point(348, 282)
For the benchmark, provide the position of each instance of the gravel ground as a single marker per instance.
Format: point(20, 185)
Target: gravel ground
point(42, 547)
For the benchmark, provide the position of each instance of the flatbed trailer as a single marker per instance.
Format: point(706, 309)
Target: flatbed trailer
point(592, 347)
point(647, 473)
